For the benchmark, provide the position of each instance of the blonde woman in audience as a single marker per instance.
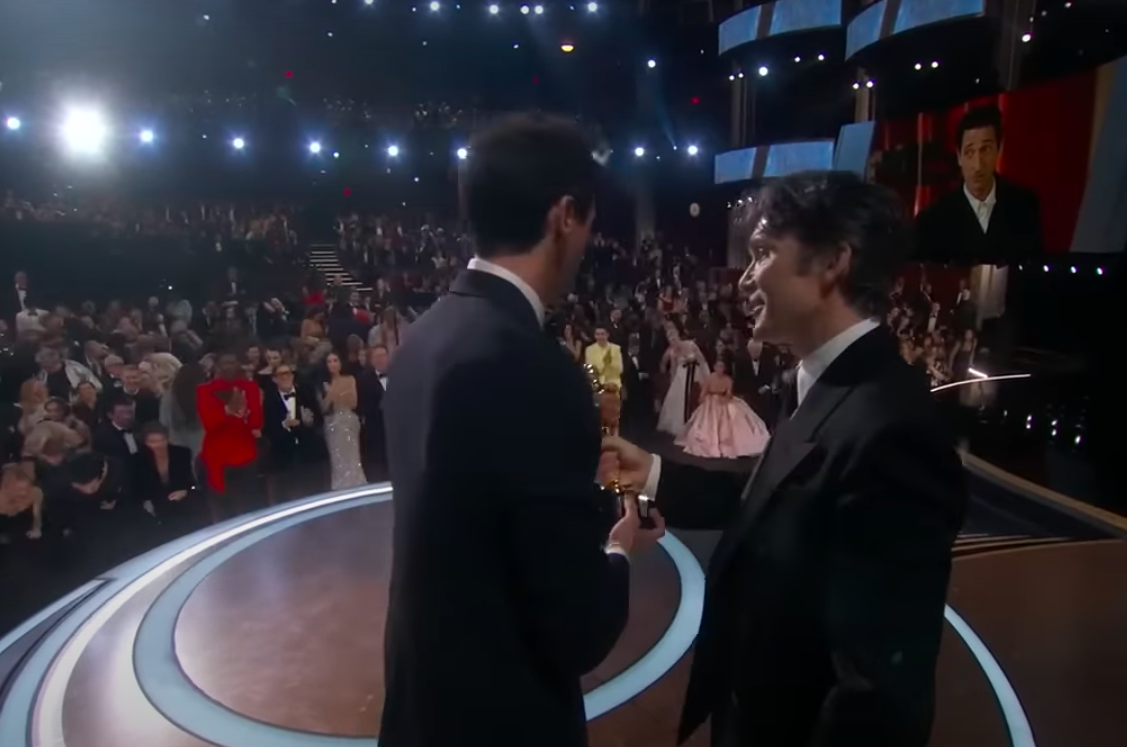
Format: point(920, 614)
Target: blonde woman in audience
point(21, 504)
point(162, 369)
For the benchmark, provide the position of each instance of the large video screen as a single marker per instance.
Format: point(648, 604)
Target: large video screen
point(998, 179)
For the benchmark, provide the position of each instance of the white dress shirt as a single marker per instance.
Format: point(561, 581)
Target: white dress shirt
point(983, 209)
point(289, 399)
point(810, 369)
point(484, 265)
point(130, 439)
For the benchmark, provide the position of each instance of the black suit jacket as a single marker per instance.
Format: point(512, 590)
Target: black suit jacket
point(825, 595)
point(501, 592)
point(949, 231)
point(294, 446)
point(150, 487)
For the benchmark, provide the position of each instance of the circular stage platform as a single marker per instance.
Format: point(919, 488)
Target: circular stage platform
point(267, 631)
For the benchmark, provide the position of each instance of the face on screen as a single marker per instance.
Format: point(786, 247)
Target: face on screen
point(978, 157)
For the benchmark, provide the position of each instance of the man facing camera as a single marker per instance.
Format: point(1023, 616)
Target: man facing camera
point(505, 587)
point(825, 595)
point(987, 219)
point(605, 358)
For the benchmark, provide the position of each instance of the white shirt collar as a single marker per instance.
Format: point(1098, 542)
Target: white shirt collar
point(484, 265)
point(983, 209)
point(814, 365)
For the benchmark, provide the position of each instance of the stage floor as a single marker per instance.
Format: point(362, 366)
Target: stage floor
point(267, 632)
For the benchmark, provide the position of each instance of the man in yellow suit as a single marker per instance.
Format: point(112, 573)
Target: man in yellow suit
point(606, 358)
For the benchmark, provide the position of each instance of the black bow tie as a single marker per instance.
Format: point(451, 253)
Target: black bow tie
point(383, 377)
point(291, 395)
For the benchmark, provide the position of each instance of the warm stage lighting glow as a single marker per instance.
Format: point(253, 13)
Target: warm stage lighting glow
point(393, 150)
point(567, 47)
point(13, 123)
point(84, 131)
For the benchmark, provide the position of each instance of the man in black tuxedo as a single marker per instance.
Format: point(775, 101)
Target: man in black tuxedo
point(505, 589)
point(291, 423)
point(371, 385)
point(987, 219)
point(116, 438)
point(825, 595)
point(762, 380)
point(638, 406)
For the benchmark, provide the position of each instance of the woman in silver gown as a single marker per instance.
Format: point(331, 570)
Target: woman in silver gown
point(342, 427)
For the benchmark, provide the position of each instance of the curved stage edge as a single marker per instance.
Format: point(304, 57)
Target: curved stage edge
point(53, 641)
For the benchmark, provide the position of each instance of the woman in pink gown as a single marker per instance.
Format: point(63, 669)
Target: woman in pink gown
point(723, 426)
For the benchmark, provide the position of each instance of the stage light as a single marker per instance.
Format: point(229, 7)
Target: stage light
point(1026, 38)
point(369, 2)
point(494, 9)
point(463, 154)
point(639, 151)
point(434, 6)
point(821, 57)
point(146, 136)
point(856, 86)
point(798, 59)
point(238, 143)
point(919, 66)
point(84, 131)
point(566, 48)
point(524, 9)
point(693, 150)
point(315, 147)
point(934, 64)
point(393, 151)
point(868, 84)
point(763, 71)
point(651, 64)
point(732, 76)
point(740, 75)
point(1099, 271)
point(336, 154)
point(13, 123)
point(592, 7)
point(538, 10)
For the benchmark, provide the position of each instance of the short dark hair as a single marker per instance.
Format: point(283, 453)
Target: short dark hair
point(822, 210)
point(979, 118)
point(516, 171)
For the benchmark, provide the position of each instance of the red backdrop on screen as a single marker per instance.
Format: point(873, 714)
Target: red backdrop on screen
point(1047, 133)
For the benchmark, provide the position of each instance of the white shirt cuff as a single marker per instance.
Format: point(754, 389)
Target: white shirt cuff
point(614, 549)
point(653, 478)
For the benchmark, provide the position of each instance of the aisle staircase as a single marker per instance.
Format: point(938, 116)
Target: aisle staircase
point(323, 258)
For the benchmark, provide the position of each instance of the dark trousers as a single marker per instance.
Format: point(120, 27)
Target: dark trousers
point(243, 493)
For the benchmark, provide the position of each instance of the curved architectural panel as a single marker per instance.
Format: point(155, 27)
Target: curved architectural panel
point(889, 17)
point(765, 161)
point(781, 17)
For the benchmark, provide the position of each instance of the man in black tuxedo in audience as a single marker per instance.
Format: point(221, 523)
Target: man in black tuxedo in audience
point(762, 381)
point(372, 386)
point(291, 423)
point(638, 406)
point(492, 433)
point(824, 603)
point(116, 438)
point(986, 218)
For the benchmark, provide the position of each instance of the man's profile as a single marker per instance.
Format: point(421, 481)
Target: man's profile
point(987, 218)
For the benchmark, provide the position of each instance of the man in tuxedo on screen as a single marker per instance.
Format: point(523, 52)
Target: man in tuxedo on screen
point(825, 595)
point(987, 219)
point(505, 588)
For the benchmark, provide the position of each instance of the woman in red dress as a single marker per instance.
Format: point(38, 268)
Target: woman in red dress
point(230, 410)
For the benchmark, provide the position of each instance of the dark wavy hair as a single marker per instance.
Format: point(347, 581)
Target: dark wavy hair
point(825, 211)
